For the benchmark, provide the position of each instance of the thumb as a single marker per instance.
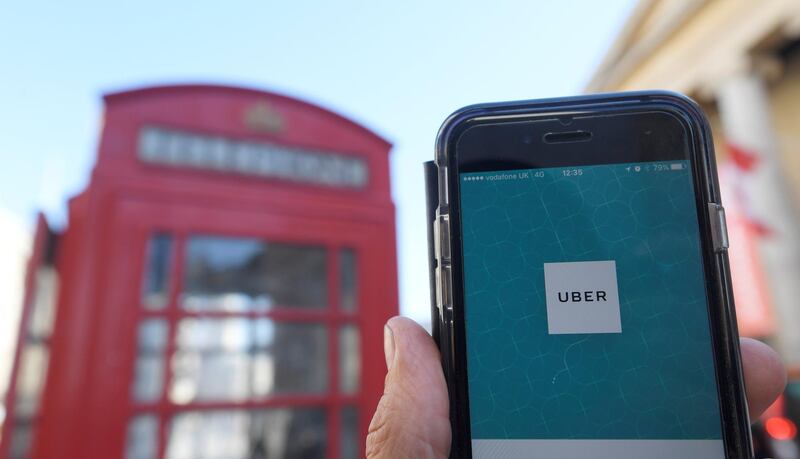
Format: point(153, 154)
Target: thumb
point(412, 420)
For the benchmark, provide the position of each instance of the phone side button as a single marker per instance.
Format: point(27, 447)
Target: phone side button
point(719, 227)
point(445, 226)
point(439, 287)
point(441, 231)
point(443, 287)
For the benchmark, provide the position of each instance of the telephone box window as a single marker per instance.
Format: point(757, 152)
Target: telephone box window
point(43, 310)
point(33, 365)
point(142, 439)
point(349, 359)
point(348, 443)
point(34, 357)
point(348, 288)
point(21, 439)
point(148, 381)
point(30, 381)
point(281, 433)
point(242, 274)
point(239, 359)
point(155, 289)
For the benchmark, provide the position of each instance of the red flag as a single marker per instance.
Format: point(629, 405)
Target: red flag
point(743, 159)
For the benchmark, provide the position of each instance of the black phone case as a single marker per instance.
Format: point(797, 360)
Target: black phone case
point(736, 431)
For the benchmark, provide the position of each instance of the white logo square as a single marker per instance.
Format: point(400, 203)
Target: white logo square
point(582, 297)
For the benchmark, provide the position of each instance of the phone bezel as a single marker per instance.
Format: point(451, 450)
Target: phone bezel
point(735, 421)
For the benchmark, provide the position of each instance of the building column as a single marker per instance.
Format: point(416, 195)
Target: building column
point(744, 108)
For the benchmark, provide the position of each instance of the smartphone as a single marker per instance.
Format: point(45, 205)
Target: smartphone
point(582, 285)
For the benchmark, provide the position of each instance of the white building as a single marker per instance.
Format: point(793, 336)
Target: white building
point(15, 245)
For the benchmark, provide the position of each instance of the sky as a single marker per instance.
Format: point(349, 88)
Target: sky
point(399, 68)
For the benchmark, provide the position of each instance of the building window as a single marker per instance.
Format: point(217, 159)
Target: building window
point(221, 363)
point(349, 359)
point(142, 438)
point(34, 359)
point(238, 359)
point(148, 380)
point(239, 274)
point(21, 439)
point(30, 380)
point(285, 433)
point(349, 441)
point(155, 288)
point(348, 287)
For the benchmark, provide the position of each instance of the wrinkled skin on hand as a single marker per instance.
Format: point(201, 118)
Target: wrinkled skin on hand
point(412, 421)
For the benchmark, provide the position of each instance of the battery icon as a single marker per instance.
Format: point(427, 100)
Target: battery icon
point(676, 167)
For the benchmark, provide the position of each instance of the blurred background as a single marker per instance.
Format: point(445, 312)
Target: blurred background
point(208, 211)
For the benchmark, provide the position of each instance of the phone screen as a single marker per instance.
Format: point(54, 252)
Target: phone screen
point(585, 313)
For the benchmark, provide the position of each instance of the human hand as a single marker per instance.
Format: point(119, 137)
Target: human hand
point(412, 420)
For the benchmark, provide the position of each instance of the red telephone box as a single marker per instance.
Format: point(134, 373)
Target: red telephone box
point(222, 286)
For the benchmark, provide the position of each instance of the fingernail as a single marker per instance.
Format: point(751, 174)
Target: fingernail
point(388, 346)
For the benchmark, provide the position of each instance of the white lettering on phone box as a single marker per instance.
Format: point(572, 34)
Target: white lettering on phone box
point(582, 297)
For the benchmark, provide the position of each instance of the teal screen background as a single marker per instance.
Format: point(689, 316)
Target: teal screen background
point(655, 380)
